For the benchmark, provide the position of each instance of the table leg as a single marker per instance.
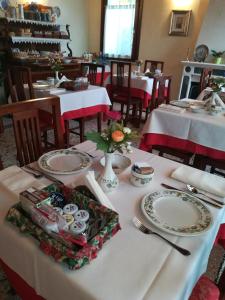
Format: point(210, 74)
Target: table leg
point(99, 122)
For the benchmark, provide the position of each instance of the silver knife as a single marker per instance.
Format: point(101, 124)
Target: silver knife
point(44, 174)
point(194, 195)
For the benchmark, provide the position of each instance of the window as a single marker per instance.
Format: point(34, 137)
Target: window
point(121, 23)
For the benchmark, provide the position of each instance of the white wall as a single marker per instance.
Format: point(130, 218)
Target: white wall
point(73, 12)
point(213, 28)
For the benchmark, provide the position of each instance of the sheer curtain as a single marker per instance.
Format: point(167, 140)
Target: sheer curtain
point(119, 27)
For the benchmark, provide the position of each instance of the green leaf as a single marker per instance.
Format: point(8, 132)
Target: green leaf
point(101, 143)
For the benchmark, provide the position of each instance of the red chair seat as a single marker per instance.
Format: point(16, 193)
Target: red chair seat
point(112, 115)
point(205, 289)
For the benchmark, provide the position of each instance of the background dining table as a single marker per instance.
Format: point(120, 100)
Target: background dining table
point(131, 265)
point(81, 103)
point(199, 133)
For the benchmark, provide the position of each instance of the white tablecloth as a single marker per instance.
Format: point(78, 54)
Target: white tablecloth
point(70, 100)
point(200, 128)
point(131, 265)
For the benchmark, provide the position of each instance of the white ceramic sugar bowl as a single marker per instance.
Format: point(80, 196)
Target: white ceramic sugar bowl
point(139, 178)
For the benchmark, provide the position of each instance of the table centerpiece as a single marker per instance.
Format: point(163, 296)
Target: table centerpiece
point(56, 64)
point(115, 138)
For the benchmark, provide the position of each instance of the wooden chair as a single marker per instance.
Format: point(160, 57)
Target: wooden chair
point(17, 78)
point(120, 89)
point(152, 65)
point(204, 79)
point(160, 93)
point(25, 115)
point(95, 73)
point(215, 164)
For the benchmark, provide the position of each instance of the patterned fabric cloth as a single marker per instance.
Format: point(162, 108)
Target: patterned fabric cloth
point(205, 289)
point(76, 257)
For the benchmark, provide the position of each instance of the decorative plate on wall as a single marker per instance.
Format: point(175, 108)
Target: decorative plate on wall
point(4, 4)
point(201, 52)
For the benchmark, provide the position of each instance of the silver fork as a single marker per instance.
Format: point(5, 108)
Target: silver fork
point(146, 230)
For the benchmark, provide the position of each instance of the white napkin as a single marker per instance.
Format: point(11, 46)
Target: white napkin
point(204, 181)
point(64, 78)
point(147, 71)
point(96, 190)
point(172, 108)
point(16, 180)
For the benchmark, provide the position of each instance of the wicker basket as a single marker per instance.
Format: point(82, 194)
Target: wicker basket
point(74, 85)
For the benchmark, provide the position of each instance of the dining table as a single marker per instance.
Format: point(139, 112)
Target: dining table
point(131, 265)
point(197, 132)
point(80, 103)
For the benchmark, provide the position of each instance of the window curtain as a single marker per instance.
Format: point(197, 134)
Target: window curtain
point(119, 26)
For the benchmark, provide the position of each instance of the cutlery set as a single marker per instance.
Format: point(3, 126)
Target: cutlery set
point(194, 192)
point(39, 174)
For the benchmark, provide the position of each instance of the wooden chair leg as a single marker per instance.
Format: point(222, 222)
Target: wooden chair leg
point(122, 109)
point(1, 126)
point(45, 139)
point(140, 114)
point(99, 122)
point(81, 123)
point(127, 115)
point(67, 133)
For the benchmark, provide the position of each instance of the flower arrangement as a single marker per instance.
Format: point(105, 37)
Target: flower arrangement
point(216, 83)
point(115, 138)
point(56, 62)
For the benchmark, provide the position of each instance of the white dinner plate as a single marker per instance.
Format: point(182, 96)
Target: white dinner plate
point(177, 212)
point(65, 161)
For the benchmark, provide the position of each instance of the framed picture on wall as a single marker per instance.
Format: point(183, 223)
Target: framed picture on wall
point(179, 23)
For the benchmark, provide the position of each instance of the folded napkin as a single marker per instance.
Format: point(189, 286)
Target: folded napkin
point(16, 180)
point(172, 108)
point(97, 191)
point(64, 78)
point(204, 181)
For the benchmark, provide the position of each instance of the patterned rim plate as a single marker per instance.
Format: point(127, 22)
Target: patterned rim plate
point(177, 212)
point(65, 161)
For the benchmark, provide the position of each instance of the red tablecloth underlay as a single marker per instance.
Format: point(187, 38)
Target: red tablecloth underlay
point(21, 287)
point(151, 139)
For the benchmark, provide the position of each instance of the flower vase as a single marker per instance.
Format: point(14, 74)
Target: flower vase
point(139, 70)
point(57, 76)
point(108, 180)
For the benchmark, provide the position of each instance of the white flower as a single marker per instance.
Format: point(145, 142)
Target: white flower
point(126, 130)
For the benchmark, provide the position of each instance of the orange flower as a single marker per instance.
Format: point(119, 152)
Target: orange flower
point(117, 136)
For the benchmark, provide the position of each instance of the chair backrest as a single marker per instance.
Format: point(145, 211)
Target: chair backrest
point(17, 78)
point(161, 90)
point(27, 127)
point(121, 78)
point(152, 65)
point(27, 135)
point(204, 79)
point(95, 73)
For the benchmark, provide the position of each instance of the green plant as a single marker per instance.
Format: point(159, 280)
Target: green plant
point(216, 83)
point(115, 138)
point(217, 54)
